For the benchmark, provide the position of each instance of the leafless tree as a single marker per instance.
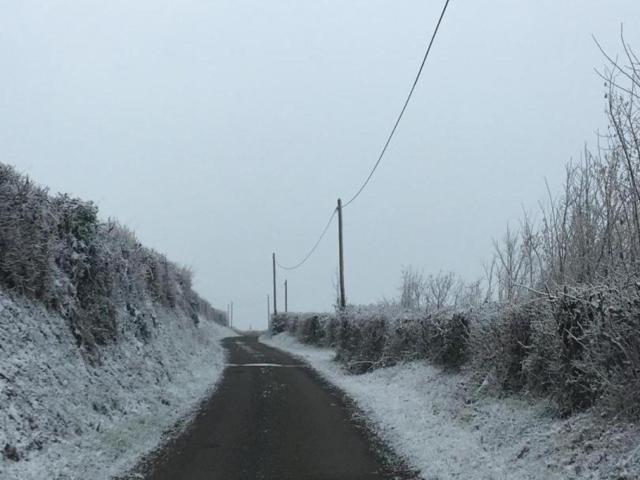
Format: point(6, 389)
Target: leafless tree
point(412, 289)
point(440, 290)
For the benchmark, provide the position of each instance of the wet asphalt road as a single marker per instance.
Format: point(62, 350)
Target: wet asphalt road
point(272, 418)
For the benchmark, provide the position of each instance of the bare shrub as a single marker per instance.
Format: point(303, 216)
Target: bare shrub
point(500, 345)
point(311, 330)
point(279, 323)
point(405, 340)
point(440, 290)
point(412, 289)
point(448, 342)
point(601, 354)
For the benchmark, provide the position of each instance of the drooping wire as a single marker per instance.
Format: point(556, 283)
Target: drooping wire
point(315, 246)
point(384, 149)
point(404, 107)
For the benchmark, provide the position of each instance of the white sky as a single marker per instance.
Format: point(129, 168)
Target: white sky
point(224, 130)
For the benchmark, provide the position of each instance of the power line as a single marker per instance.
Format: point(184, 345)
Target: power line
point(315, 246)
point(382, 153)
point(406, 103)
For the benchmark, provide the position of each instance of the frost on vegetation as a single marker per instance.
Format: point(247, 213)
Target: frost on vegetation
point(55, 251)
point(555, 320)
point(104, 345)
point(579, 348)
point(557, 315)
point(58, 410)
point(446, 428)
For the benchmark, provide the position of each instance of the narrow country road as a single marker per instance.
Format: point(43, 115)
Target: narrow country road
point(272, 418)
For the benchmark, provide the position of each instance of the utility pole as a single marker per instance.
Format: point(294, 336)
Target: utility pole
point(286, 297)
point(269, 314)
point(275, 299)
point(343, 301)
point(231, 314)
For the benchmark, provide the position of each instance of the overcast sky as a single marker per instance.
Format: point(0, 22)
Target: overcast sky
point(224, 130)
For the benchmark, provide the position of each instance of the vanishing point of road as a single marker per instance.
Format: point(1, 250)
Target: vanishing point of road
point(273, 418)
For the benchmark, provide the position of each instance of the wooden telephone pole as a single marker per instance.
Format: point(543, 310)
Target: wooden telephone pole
point(275, 306)
point(343, 301)
point(286, 297)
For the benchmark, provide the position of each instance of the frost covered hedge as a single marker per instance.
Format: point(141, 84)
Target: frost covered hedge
point(54, 249)
point(372, 337)
point(558, 313)
point(579, 346)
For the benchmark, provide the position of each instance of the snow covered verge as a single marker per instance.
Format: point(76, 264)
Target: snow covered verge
point(104, 344)
point(447, 428)
point(63, 418)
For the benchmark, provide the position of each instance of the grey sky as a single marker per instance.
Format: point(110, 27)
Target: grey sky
point(224, 130)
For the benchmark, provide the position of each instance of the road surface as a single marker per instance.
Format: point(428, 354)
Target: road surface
point(272, 418)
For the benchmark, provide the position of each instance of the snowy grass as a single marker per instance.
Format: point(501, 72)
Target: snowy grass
point(70, 420)
point(444, 427)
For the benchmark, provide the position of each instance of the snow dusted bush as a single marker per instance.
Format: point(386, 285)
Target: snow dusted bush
point(376, 336)
point(361, 343)
point(56, 251)
point(500, 344)
point(310, 328)
point(103, 342)
point(26, 230)
point(278, 323)
point(449, 339)
point(580, 346)
point(384, 336)
point(404, 340)
point(600, 334)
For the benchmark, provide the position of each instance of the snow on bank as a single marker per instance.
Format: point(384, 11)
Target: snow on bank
point(448, 430)
point(69, 420)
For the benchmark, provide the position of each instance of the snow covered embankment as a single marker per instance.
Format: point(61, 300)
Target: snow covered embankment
point(62, 418)
point(447, 431)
